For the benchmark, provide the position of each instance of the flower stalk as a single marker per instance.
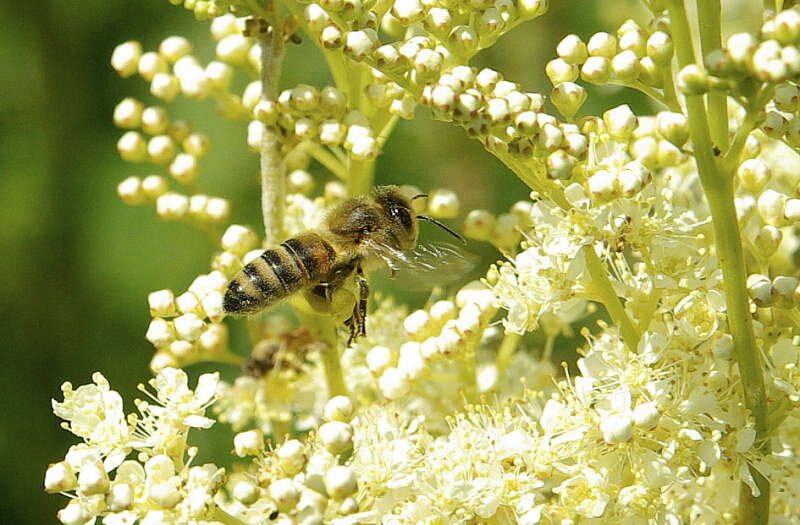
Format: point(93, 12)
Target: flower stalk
point(719, 191)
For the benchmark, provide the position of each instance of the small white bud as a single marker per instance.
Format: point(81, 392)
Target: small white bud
point(646, 415)
point(174, 47)
point(150, 64)
point(568, 97)
point(634, 41)
point(379, 358)
point(238, 239)
point(59, 477)
point(74, 514)
point(132, 147)
point(443, 311)
point(291, 457)
point(443, 203)
point(233, 49)
point(335, 191)
point(336, 436)
point(771, 206)
point(783, 288)
point(560, 164)
point(479, 224)
point(529, 9)
point(673, 127)
point(246, 493)
point(130, 191)
point(121, 497)
point(128, 113)
point(417, 325)
point(359, 44)
point(184, 168)
point(411, 361)
point(753, 174)
point(693, 80)
point(572, 49)
point(189, 326)
point(218, 209)
point(616, 428)
point(161, 149)
point(403, 107)
point(125, 58)
point(393, 383)
point(339, 408)
point(602, 186)
point(620, 121)
point(340, 482)
point(249, 443)
point(559, 70)
point(759, 288)
point(223, 26)
point(407, 11)
point(767, 241)
point(505, 233)
point(160, 332)
point(219, 75)
point(165, 87)
point(162, 303)
point(791, 211)
point(625, 66)
point(774, 124)
point(285, 493)
point(602, 45)
point(429, 348)
point(92, 478)
point(659, 47)
point(596, 70)
point(155, 120)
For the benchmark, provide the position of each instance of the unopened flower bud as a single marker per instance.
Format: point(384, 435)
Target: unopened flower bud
point(417, 325)
point(771, 206)
point(568, 97)
point(620, 121)
point(249, 443)
point(125, 58)
point(572, 49)
point(246, 493)
point(393, 383)
point(358, 44)
point(379, 358)
point(479, 224)
point(130, 191)
point(161, 149)
point(767, 241)
point(659, 47)
point(128, 113)
point(285, 493)
point(339, 408)
point(753, 174)
point(336, 436)
point(625, 66)
point(616, 428)
point(162, 303)
point(92, 478)
point(233, 49)
point(596, 69)
point(673, 127)
point(340, 482)
point(602, 185)
point(693, 80)
point(783, 288)
point(291, 457)
point(529, 9)
point(74, 514)
point(505, 233)
point(774, 124)
point(602, 45)
point(189, 326)
point(132, 147)
point(559, 70)
point(443, 203)
point(59, 478)
point(787, 27)
point(759, 288)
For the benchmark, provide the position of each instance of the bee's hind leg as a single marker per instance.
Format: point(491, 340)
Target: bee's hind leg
point(357, 323)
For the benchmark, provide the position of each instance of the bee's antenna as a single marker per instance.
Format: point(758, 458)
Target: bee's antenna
point(443, 226)
point(420, 196)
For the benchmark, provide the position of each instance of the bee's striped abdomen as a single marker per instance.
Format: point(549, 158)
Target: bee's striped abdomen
point(278, 273)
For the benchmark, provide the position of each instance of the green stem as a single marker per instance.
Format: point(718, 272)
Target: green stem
point(327, 159)
point(719, 191)
point(507, 349)
point(709, 19)
point(601, 285)
point(273, 177)
point(751, 119)
point(670, 94)
point(323, 329)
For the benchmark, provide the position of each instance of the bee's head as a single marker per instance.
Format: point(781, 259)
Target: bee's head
point(401, 220)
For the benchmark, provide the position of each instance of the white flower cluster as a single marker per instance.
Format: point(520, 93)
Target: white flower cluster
point(158, 486)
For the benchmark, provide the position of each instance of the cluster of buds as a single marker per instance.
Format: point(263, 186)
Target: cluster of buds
point(781, 292)
point(447, 329)
point(180, 330)
point(771, 56)
point(306, 113)
point(502, 230)
point(154, 491)
point(303, 482)
point(632, 56)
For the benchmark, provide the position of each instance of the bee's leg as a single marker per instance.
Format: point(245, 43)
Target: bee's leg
point(363, 297)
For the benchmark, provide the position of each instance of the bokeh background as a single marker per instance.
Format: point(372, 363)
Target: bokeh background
point(76, 264)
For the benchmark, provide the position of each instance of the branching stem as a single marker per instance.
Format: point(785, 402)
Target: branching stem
point(719, 191)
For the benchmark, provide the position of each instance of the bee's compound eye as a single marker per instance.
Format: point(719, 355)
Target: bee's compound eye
point(402, 215)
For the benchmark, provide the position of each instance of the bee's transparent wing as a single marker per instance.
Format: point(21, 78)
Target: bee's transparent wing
point(427, 265)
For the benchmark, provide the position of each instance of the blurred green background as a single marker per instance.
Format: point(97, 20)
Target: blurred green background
point(77, 264)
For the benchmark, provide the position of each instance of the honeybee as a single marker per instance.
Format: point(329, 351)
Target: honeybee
point(359, 234)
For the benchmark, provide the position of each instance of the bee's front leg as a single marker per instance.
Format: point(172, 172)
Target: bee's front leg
point(357, 323)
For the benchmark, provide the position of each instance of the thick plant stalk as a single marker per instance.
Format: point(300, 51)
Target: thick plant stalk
point(719, 191)
point(273, 176)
